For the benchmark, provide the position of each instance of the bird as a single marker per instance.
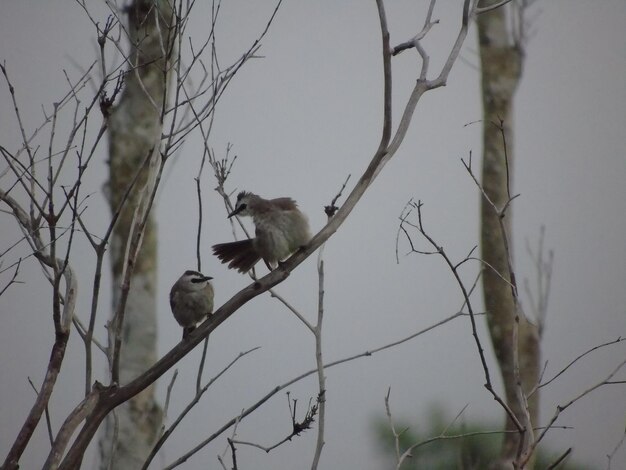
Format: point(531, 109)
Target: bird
point(280, 230)
point(191, 299)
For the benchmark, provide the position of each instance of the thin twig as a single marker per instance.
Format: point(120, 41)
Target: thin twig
point(297, 427)
point(48, 423)
point(292, 309)
point(168, 395)
point(321, 379)
point(13, 278)
point(481, 10)
point(402, 456)
point(575, 360)
point(481, 353)
point(275, 390)
point(610, 456)
point(201, 365)
point(561, 408)
point(559, 460)
point(167, 433)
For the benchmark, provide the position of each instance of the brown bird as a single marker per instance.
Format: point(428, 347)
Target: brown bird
point(191, 300)
point(280, 229)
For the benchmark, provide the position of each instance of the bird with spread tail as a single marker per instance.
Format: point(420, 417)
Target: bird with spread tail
point(280, 230)
point(191, 300)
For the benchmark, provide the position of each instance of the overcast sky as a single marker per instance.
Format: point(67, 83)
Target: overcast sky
point(300, 120)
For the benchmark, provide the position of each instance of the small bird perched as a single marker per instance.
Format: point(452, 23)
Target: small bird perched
point(280, 230)
point(191, 299)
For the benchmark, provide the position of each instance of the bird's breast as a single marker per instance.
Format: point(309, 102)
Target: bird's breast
point(280, 234)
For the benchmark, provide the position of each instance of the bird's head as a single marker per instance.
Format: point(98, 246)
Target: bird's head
point(242, 206)
point(193, 280)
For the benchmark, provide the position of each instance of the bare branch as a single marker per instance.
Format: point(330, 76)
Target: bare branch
point(481, 10)
point(13, 278)
point(560, 408)
point(281, 387)
point(402, 456)
point(396, 434)
point(292, 309)
point(575, 360)
point(610, 456)
point(72, 421)
point(543, 273)
point(165, 435)
point(560, 459)
point(47, 411)
point(321, 378)
point(454, 269)
point(62, 334)
point(331, 208)
point(297, 427)
point(168, 395)
point(414, 41)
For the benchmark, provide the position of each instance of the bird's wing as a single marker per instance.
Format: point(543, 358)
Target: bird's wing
point(173, 298)
point(284, 203)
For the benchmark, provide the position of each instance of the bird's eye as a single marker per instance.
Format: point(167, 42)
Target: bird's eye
point(242, 207)
point(196, 280)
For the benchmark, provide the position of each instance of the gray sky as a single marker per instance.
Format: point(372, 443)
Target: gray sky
point(301, 120)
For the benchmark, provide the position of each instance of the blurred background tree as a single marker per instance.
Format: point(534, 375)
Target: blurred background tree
point(477, 450)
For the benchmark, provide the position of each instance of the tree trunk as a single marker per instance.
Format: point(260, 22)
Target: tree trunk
point(501, 63)
point(135, 128)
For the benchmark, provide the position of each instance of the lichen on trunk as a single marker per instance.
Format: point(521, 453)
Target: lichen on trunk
point(135, 128)
point(501, 63)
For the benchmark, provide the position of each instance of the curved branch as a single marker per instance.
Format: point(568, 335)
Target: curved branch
point(62, 335)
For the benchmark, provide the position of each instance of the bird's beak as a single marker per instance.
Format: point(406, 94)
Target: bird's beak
point(234, 212)
point(207, 278)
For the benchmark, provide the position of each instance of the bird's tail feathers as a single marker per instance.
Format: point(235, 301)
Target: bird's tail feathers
point(239, 255)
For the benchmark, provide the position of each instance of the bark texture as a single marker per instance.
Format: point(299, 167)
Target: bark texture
point(501, 63)
point(135, 128)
